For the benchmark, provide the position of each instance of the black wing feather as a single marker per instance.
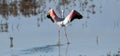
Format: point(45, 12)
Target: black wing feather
point(48, 16)
point(77, 16)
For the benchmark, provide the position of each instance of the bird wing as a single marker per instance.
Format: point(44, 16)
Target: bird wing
point(52, 15)
point(71, 16)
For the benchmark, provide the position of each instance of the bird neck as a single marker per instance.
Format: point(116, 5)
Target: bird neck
point(62, 13)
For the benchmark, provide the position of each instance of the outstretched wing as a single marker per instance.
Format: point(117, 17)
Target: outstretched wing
point(52, 15)
point(72, 15)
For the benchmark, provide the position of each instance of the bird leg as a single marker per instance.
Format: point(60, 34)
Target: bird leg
point(58, 37)
point(66, 36)
point(59, 50)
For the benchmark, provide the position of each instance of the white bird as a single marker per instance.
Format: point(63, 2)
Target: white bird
point(62, 22)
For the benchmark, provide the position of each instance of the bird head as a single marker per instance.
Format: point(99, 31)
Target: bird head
point(62, 24)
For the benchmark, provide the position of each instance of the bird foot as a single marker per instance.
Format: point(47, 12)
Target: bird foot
point(58, 44)
point(68, 43)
